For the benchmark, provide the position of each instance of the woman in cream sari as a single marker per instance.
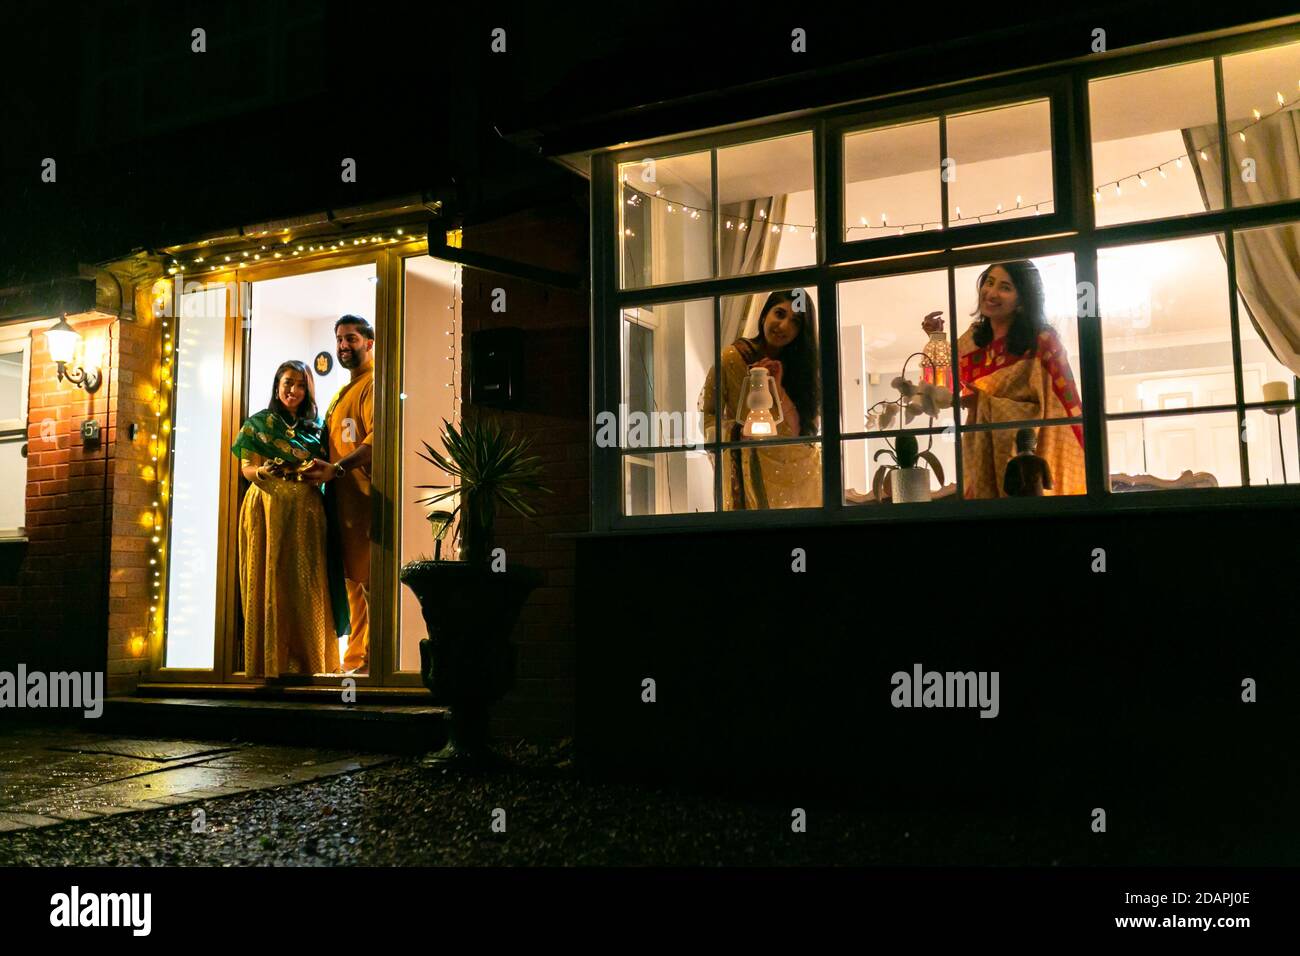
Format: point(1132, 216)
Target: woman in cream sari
point(784, 476)
point(1013, 367)
point(294, 602)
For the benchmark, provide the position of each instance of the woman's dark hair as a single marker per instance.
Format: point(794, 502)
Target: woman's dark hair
point(799, 360)
point(307, 409)
point(1030, 319)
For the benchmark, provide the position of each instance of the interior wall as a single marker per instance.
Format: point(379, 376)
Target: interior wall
point(293, 318)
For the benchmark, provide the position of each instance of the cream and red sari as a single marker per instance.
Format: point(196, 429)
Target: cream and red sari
point(1011, 388)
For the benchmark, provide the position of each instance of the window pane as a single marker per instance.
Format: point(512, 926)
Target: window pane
point(765, 193)
point(1174, 451)
point(195, 480)
point(667, 483)
point(985, 294)
point(881, 340)
point(667, 353)
point(1260, 99)
point(1166, 335)
point(428, 341)
point(1001, 163)
point(1019, 371)
point(758, 477)
point(11, 385)
point(919, 482)
point(891, 181)
point(666, 223)
point(1011, 461)
point(1268, 307)
point(1151, 127)
point(1271, 447)
point(13, 478)
point(776, 330)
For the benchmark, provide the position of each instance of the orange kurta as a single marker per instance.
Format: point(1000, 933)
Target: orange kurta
point(349, 423)
point(1011, 388)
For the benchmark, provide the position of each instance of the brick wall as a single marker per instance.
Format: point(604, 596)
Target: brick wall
point(53, 586)
point(553, 412)
point(58, 607)
point(133, 496)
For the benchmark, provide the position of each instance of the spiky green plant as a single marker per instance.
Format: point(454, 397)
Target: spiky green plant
point(488, 466)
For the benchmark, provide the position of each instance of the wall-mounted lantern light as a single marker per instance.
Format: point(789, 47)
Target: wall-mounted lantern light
point(62, 341)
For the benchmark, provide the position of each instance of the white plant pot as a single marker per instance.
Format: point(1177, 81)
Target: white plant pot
point(910, 484)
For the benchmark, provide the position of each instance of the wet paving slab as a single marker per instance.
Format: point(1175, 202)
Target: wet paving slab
point(50, 776)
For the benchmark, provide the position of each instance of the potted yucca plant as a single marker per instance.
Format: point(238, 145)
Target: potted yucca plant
point(470, 606)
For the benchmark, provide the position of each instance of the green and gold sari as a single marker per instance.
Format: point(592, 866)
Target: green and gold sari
point(290, 572)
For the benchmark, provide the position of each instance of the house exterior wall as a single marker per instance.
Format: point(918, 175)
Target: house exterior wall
point(77, 593)
point(60, 606)
point(553, 412)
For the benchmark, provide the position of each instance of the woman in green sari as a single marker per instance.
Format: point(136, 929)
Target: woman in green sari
point(291, 583)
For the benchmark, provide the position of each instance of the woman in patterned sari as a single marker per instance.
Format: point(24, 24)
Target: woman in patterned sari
point(1013, 367)
point(781, 476)
point(294, 602)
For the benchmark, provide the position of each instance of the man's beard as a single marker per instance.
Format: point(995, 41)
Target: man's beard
point(349, 360)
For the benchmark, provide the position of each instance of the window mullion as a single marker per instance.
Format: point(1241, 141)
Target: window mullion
point(1230, 257)
point(955, 361)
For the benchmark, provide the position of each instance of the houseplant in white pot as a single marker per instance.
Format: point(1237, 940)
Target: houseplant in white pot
point(908, 480)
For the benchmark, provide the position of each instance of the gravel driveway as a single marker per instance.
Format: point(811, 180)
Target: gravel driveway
point(405, 814)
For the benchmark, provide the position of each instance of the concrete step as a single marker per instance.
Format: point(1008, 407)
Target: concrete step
point(389, 727)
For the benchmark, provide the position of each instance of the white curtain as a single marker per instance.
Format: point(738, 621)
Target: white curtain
point(1268, 260)
point(746, 252)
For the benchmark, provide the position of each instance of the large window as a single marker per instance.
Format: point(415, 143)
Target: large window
point(1013, 309)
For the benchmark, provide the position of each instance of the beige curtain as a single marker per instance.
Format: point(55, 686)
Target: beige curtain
point(746, 252)
point(1268, 260)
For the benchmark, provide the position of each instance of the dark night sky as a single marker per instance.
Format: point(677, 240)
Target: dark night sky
point(156, 144)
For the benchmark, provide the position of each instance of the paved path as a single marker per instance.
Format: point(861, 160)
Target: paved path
point(50, 775)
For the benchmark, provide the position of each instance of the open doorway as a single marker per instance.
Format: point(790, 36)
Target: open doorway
point(295, 319)
point(235, 334)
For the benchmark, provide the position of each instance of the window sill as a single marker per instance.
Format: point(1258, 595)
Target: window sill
point(1078, 506)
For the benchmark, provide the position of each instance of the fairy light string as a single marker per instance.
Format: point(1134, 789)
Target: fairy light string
point(635, 196)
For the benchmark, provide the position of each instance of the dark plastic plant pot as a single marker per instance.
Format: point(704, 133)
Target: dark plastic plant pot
point(468, 660)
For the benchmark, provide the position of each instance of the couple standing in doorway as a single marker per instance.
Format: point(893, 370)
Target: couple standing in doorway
point(304, 525)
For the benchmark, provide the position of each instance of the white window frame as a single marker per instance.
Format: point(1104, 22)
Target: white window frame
point(14, 430)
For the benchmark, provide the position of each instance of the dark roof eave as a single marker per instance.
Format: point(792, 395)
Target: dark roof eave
point(1042, 46)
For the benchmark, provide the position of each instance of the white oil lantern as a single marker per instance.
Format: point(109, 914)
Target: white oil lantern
point(757, 397)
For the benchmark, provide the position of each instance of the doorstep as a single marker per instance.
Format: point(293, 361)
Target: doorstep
point(403, 724)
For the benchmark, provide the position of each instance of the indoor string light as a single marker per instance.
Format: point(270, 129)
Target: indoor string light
point(636, 196)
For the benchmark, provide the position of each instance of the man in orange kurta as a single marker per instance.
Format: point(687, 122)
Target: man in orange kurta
point(349, 427)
